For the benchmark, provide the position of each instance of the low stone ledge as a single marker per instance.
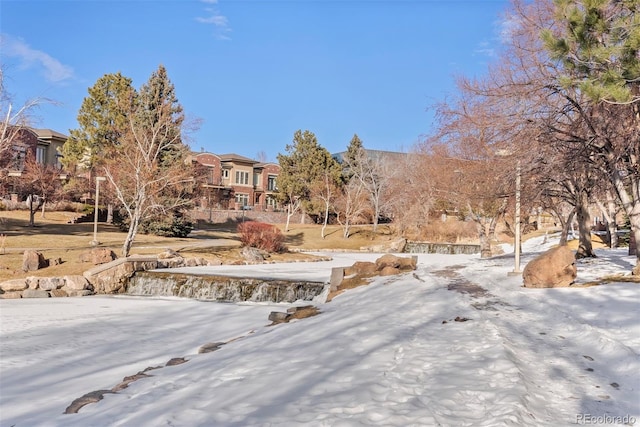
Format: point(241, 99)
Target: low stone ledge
point(112, 277)
point(45, 287)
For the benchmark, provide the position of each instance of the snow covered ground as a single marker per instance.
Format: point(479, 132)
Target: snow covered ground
point(391, 353)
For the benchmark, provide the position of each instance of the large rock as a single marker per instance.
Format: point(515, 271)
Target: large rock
point(35, 293)
point(401, 263)
point(361, 268)
point(252, 254)
point(10, 295)
point(97, 256)
point(554, 268)
point(398, 245)
point(13, 285)
point(33, 260)
point(76, 283)
point(45, 283)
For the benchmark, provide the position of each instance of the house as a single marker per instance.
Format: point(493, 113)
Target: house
point(42, 145)
point(232, 181)
point(45, 145)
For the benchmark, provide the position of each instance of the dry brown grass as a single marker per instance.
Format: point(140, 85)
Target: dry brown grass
point(56, 238)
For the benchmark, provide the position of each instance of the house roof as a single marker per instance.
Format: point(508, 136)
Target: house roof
point(49, 134)
point(231, 157)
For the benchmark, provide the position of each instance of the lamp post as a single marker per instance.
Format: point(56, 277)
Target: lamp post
point(95, 242)
point(516, 268)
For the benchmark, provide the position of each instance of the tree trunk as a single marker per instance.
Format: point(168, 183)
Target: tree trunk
point(346, 229)
point(131, 234)
point(585, 248)
point(326, 219)
point(110, 213)
point(628, 196)
point(635, 230)
point(609, 214)
point(564, 235)
point(32, 212)
point(289, 215)
point(33, 209)
point(485, 241)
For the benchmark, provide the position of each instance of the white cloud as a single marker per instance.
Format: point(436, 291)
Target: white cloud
point(218, 20)
point(507, 28)
point(485, 49)
point(54, 70)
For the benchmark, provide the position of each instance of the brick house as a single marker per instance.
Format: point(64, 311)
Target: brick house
point(232, 181)
point(43, 145)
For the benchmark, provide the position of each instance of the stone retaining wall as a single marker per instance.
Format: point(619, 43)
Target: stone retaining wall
point(108, 278)
point(45, 287)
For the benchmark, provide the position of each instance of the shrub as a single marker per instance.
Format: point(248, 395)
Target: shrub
point(262, 236)
point(176, 226)
point(173, 225)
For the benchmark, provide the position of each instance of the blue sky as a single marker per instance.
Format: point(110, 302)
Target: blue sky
point(256, 71)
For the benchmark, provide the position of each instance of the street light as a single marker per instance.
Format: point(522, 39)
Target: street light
point(516, 268)
point(516, 250)
point(95, 242)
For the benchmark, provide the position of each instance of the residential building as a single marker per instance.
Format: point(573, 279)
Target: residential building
point(45, 145)
point(42, 145)
point(232, 181)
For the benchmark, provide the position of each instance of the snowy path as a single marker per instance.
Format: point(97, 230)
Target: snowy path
point(391, 353)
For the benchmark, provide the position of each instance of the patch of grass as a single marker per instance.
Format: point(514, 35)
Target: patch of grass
point(56, 236)
point(608, 279)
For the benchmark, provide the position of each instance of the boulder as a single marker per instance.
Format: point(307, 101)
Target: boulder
point(408, 263)
point(97, 256)
point(389, 271)
point(13, 285)
point(252, 254)
point(195, 262)
point(49, 283)
point(33, 260)
point(58, 293)
point(171, 262)
point(35, 293)
point(10, 295)
point(553, 268)
point(398, 245)
point(361, 268)
point(76, 283)
point(168, 254)
point(401, 263)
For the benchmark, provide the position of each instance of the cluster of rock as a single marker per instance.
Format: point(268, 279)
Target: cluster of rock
point(358, 273)
point(33, 260)
point(386, 265)
point(45, 287)
point(110, 276)
point(300, 312)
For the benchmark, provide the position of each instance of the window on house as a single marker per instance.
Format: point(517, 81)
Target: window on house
point(242, 177)
point(41, 155)
point(225, 173)
point(256, 179)
point(19, 156)
point(210, 175)
point(242, 199)
point(271, 183)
